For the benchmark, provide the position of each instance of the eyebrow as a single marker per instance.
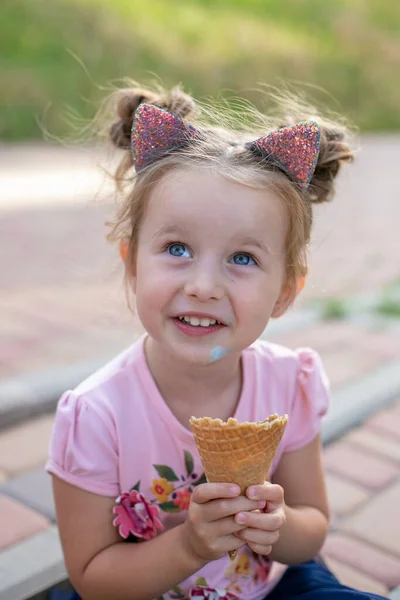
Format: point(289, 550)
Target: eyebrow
point(250, 241)
point(171, 230)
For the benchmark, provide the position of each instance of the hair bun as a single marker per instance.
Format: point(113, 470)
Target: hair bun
point(127, 102)
point(335, 150)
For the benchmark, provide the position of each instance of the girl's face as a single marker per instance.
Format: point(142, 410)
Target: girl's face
point(210, 264)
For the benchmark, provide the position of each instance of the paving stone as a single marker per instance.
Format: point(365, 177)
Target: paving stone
point(386, 422)
point(32, 488)
point(365, 558)
point(343, 495)
point(17, 522)
point(384, 343)
point(359, 467)
point(321, 336)
point(396, 408)
point(375, 442)
point(25, 446)
point(349, 364)
point(378, 521)
point(339, 344)
point(356, 580)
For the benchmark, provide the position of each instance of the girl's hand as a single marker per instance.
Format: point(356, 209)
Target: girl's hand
point(262, 528)
point(210, 528)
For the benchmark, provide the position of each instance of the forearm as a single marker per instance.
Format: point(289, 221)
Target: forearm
point(139, 571)
point(302, 535)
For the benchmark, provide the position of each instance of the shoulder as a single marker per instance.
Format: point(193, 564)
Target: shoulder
point(86, 438)
point(289, 381)
point(97, 404)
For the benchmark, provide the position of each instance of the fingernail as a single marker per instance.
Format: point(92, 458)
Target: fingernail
point(261, 504)
point(252, 493)
point(241, 518)
point(234, 490)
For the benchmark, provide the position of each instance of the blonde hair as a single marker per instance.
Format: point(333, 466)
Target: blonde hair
point(222, 148)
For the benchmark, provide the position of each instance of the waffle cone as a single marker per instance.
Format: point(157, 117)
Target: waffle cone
point(234, 452)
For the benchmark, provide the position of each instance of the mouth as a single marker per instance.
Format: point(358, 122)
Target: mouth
point(199, 321)
point(191, 325)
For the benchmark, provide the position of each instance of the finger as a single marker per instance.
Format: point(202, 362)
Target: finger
point(260, 549)
point(214, 510)
point(231, 542)
point(257, 536)
point(212, 491)
point(218, 509)
point(270, 492)
point(224, 527)
point(264, 521)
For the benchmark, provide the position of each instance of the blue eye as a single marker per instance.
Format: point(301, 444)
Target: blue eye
point(179, 250)
point(243, 259)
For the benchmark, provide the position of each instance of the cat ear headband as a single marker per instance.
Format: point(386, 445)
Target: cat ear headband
point(294, 149)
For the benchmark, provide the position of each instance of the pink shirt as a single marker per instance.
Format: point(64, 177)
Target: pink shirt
point(115, 430)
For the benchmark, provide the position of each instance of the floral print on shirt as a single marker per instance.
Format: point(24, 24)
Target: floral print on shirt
point(171, 493)
point(248, 568)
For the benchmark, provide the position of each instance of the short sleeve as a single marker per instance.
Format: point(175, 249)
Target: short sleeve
point(83, 446)
point(310, 401)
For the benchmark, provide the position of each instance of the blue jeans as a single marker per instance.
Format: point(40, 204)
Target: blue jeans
point(314, 581)
point(309, 581)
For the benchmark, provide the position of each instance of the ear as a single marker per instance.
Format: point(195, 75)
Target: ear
point(287, 296)
point(123, 251)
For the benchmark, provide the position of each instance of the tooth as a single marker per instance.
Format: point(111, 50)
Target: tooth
point(212, 321)
point(187, 319)
point(194, 321)
point(205, 322)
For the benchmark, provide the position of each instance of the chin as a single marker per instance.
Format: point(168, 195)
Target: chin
point(195, 356)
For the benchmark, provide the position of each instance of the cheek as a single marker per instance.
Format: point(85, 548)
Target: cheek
point(259, 291)
point(153, 282)
point(255, 301)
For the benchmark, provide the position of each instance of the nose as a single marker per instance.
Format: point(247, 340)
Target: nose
point(205, 282)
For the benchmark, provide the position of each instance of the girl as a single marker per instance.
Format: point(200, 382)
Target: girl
point(213, 230)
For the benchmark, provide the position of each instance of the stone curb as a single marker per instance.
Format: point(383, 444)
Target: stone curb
point(34, 394)
point(354, 403)
point(395, 594)
point(31, 566)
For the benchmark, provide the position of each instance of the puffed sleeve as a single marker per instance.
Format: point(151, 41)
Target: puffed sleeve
point(83, 446)
point(310, 401)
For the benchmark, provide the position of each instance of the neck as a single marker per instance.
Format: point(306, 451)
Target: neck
point(192, 389)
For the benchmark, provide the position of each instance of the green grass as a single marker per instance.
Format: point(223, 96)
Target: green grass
point(350, 48)
point(333, 309)
point(389, 302)
point(389, 307)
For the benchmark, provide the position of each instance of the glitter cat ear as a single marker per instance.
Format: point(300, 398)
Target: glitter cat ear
point(294, 149)
point(155, 132)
